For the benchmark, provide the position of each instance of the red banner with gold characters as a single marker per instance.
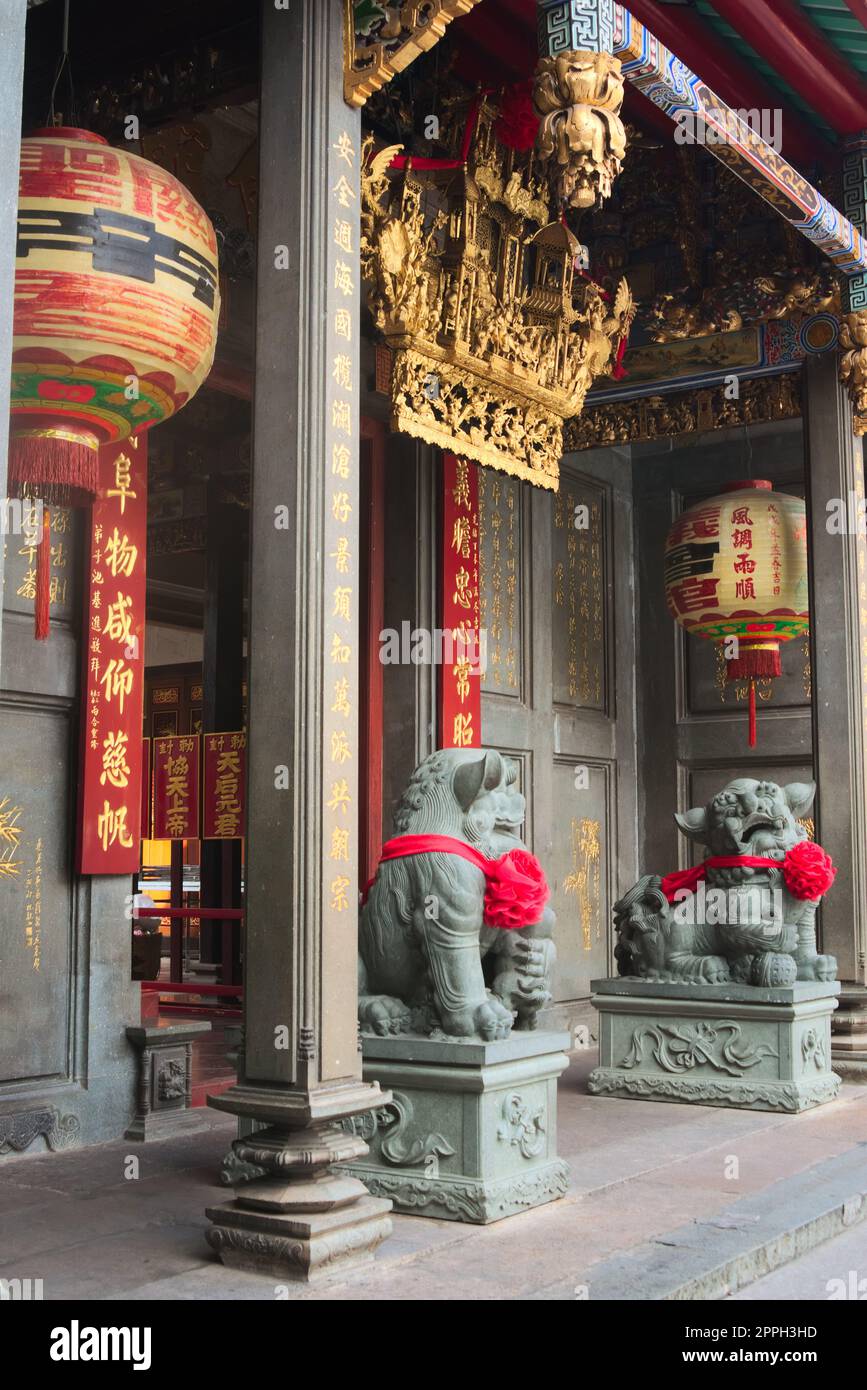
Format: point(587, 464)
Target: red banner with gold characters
point(145, 788)
point(111, 770)
point(176, 787)
point(462, 653)
point(223, 785)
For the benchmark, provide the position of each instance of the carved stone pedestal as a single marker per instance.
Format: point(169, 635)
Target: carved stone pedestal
point(298, 1218)
point(732, 1045)
point(849, 1033)
point(163, 1104)
point(470, 1130)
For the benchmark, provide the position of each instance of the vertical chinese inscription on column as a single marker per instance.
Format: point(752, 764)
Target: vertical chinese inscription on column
point(463, 644)
point(860, 545)
point(500, 580)
point(22, 550)
point(31, 536)
point(110, 798)
point(579, 599)
point(33, 907)
point(341, 600)
point(584, 879)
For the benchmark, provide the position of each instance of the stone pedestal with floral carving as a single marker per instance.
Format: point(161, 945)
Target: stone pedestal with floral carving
point(470, 1130)
point(734, 1045)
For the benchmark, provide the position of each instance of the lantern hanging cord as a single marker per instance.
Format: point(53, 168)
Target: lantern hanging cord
point(63, 63)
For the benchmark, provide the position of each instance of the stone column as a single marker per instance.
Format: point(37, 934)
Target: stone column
point(13, 16)
point(302, 1072)
point(838, 626)
point(835, 420)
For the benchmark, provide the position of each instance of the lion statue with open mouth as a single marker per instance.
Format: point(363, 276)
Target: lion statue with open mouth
point(748, 912)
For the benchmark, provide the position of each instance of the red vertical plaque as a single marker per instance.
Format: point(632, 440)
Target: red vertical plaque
point(176, 787)
point(224, 773)
point(145, 788)
point(110, 795)
point(462, 645)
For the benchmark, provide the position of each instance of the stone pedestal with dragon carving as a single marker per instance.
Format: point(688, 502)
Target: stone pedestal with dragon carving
point(730, 1044)
point(470, 1130)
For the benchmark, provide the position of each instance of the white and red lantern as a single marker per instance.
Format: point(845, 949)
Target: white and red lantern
point(116, 308)
point(736, 568)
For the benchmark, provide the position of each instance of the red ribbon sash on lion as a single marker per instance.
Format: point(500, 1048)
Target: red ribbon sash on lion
point(807, 870)
point(515, 887)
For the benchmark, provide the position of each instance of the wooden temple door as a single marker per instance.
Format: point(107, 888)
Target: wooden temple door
point(556, 591)
point(692, 726)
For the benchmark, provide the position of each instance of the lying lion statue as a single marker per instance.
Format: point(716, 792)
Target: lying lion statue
point(455, 935)
point(748, 913)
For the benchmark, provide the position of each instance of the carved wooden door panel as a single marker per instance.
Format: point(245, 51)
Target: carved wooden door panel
point(692, 725)
point(557, 695)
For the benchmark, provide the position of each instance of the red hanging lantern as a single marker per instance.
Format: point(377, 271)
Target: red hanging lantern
point(736, 568)
point(116, 308)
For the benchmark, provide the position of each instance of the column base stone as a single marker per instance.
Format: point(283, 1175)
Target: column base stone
point(298, 1217)
point(731, 1045)
point(469, 1132)
point(849, 1033)
point(300, 1247)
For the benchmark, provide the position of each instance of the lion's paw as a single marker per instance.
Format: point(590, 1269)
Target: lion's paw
point(490, 1020)
point(384, 1014)
point(823, 968)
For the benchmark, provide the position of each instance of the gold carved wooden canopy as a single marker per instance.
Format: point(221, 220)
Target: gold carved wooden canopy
point(472, 280)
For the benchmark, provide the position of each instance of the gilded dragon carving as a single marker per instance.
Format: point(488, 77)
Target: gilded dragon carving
point(791, 292)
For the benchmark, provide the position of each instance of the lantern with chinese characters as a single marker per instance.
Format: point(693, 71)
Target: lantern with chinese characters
point(736, 568)
point(116, 306)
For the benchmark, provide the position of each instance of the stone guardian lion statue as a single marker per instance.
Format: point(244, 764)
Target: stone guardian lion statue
point(748, 912)
point(429, 957)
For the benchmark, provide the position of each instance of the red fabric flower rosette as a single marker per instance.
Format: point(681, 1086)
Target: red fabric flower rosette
point(515, 891)
point(808, 871)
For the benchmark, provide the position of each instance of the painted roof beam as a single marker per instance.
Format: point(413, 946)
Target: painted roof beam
point(695, 42)
point(684, 96)
point(783, 34)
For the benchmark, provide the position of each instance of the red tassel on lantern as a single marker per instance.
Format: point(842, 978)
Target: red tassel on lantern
point(54, 462)
point(759, 661)
point(42, 624)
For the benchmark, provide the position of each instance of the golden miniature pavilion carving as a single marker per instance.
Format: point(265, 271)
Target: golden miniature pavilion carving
point(471, 279)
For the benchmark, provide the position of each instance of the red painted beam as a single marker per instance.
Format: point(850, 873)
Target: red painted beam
point(509, 45)
point(695, 43)
point(859, 10)
point(784, 36)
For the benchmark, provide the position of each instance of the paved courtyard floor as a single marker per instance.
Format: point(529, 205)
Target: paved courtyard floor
point(663, 1197)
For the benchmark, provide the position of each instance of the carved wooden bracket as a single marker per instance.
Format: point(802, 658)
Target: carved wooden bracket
point(380, 39)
